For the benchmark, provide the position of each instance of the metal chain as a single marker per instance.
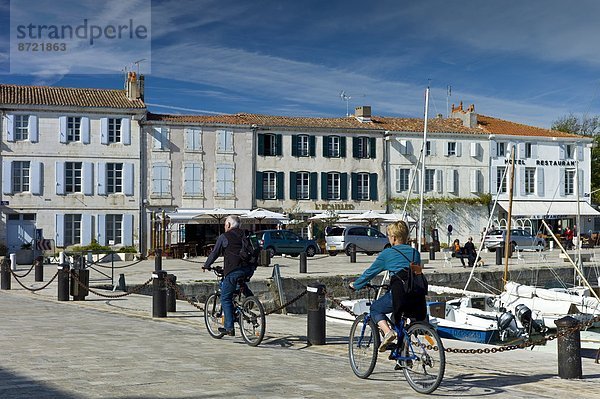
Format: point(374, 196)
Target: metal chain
point(288, 303)
point(340, 304)
point(114, 267)
point(180, 294)
point(134, 290)
point(34, 289)
point(25, 275)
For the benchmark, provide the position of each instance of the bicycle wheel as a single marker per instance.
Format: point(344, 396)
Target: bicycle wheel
point(252, 321)
point(213, 316)
point(425, 370)
point(363, 344)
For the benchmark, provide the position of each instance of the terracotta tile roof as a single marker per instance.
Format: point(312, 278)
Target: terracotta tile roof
point(499, 126)
point(67, 97)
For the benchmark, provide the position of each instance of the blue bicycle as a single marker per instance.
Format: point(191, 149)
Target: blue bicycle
point(419, 352)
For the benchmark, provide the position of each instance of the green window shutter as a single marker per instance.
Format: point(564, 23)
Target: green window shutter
point(279, 145)
point(313, 185)
point(261, 144)
point(323, 186)
point(354, 190)
point(342, 147)
point(280, 193)
point(293, 185)
point(312, 146)
point(294, 145)
point(343, 186)
point(259, 185)
point(326, 146)
point(355, 141)
point(373, 147)
point(373, 187)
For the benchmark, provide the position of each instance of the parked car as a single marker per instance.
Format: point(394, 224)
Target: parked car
point(362, 238)
point(518, 237)
point(280, 242)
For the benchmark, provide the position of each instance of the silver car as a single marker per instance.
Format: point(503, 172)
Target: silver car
point(362, 238)
point(518, 237)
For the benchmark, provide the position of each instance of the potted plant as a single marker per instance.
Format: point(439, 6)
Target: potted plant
point(24, 256)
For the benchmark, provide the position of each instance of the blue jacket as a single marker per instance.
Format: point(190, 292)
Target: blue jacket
point(389, 259)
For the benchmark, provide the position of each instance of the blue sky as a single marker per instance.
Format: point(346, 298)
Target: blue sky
point(529, 62)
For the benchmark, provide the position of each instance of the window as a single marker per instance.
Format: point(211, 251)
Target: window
point(21, 128)
point(501, 149)
point(303, 146)
point(114, 229)
point(527, 150)
point(429, 179)
point(20, 176)
point(72, 229)
point(114, 178)
point(451, 148)
point(73, 128)
point(114, 130)
point(569, 151)
point(270, 145)
point(160, 139)
point(428, 148)
point(269, 185)
point(302, 185)
point(334, 146)
point(402, 179)
point(363, 186)
point(529, 180)
point(569, 181)
point(73, 177)
point(362, 147)
point(500, 182)
point(225, 182)
point(193, 139)
point(333, 186)
point(161, 178)
point(192, 179)
point(224, 141)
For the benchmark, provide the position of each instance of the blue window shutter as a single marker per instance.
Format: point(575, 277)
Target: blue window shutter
point(280, 192)
point(326, 146)
point(279, 145)
point(88, 178)
point(86, 229)
point(104, 131)
point(354, 184)
point(261, 144)
point(312, 146)
point(60, 230)
point(259, 185)
point(128, 176)
point(62, 131)
point(60, 177)
point(294, 145)
point(7, 177)
point(33, 128)
point(313, 185)
point(85, 130)
point(101, 234)
point(127, 232)
point(37, 178)
point(101, 178)
point(343, 186)
point(355, 141)
point(342, 147)
point(126, 131)
point(373, 196)
point(10, 128)
point(293, 194)
point(324, 186)
point(373, 147)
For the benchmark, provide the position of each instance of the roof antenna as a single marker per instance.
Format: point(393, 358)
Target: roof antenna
point(448, 94)
point(346, 98)
point(137, 63)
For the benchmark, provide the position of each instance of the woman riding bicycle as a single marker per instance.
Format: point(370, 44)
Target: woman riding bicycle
point(393, 259)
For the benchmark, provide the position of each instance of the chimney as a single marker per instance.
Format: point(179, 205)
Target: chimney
point(363, 113)
point(132, 86)
point(468, 117)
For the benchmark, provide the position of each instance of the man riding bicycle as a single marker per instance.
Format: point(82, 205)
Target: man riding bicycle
point(229, 245)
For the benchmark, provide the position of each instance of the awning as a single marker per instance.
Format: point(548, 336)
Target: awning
point(548, 209)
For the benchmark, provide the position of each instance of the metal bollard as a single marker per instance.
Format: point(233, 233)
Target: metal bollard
point(159, 294)
point(80, 291)
point(431, 252)
point(121, 285)
point(302, 262)
point(171, 293)
point(5, 274)
point(63, 282)
point(569, 349)
point(353, 254)
point(265, 257)
point(499, 254)
point(39, 268)
point(157, 259)
point(316, 314)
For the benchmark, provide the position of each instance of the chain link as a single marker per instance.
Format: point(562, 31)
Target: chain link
point(97, 264)
point(25, 275)
point(288, 303)
point(34, 289)
point(179, 294)
point(134, 290)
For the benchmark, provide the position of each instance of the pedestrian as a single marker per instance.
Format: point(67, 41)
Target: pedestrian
point(470, 252)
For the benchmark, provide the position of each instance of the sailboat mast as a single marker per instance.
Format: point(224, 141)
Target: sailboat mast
point(424, 154)
point(577, 177)
point(507, 247)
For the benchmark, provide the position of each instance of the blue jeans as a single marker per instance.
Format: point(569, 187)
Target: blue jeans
point(228, 287)
point(381, 307)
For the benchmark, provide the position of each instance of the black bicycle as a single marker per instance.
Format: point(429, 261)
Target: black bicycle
point(249, 313)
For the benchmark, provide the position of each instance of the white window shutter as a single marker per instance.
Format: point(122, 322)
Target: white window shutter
point(10, 128)
point(127, 232)
point(534, 147)
point(36, 176)
point(62, 130)
point(101, 178)
point(415, 175)
point(33, 128)
point(101, 230)
point(86, 229)
point(580, 182)
point(579, 152)
point(397, 180)
point(403, 147)
point(432, 147)
point(85, 130)
point(88, 178)
point(521, 180)
point(562, 182)
point(521, 151)
point(128, 178)
point(474, 181)
point(494, 180)
point(438, 180)
point(156, 138)
point(7, 177)
point(188, 179)
point(493, 149)
point(561, 151)
point(450, 186)
point(126, 131)
point(447, 152)
point(189, 139)
point(59, 168)
point(104, 131)
point(60, 230)
point(540, 181)
point(458, 149)
point(474, 150)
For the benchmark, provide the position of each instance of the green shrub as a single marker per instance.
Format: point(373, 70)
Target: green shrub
point(128, 250)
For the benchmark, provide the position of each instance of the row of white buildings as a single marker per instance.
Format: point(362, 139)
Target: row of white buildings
point(93, 164)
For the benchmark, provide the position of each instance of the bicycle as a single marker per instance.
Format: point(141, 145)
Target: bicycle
point(419, 351)
point(249, 313)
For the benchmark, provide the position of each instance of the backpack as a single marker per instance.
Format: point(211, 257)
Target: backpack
point(409, 289)
point(249, 253)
